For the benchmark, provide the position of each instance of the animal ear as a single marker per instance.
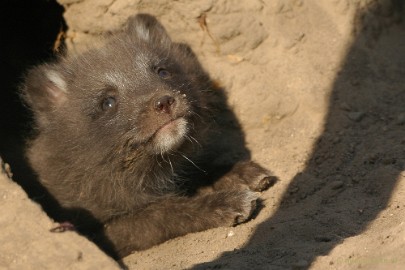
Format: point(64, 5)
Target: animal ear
point(147, 28)
point(44, 89)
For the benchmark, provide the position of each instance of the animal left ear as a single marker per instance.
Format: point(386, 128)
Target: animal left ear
point(44, 90)
point(148, 28)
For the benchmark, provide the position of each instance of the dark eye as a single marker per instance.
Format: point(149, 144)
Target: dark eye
point(163, 73)
point(108, 103)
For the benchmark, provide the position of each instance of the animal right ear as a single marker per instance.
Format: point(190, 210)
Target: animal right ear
point(148, 28)
point(44, 89)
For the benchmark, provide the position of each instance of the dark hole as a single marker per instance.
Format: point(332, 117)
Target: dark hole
point(28, 32)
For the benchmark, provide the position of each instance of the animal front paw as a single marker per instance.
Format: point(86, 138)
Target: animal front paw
point(248, 206)
point(263, 182)
point(255, 176)
point(236, 207)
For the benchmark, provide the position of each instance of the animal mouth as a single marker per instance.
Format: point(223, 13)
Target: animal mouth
point(170, 135)
point(169, 124)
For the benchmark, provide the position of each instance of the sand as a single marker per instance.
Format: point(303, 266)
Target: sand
point(319, 88)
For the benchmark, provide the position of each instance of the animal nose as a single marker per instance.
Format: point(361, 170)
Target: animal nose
point(164, 104)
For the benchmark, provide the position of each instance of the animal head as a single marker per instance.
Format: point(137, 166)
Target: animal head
point(138, 94)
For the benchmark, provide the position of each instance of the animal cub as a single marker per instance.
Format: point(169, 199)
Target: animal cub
point(136, 135)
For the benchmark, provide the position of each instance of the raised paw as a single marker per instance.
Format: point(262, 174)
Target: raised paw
point(253, 175)
point(263, 182)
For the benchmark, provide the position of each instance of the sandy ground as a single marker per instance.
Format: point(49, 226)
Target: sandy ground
point(26, 240)
point(319, 88)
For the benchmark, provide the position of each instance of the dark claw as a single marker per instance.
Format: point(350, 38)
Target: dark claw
point(63, 227)
point(266, 183)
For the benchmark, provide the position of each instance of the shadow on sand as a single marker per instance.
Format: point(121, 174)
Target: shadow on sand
point(354, 166)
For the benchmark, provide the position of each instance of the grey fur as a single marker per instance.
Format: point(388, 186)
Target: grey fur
point(131, 144)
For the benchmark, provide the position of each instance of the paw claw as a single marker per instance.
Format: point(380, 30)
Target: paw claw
point(248, 207)
point(265, 183)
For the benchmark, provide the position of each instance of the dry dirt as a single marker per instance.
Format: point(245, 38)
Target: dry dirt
point(319, 88)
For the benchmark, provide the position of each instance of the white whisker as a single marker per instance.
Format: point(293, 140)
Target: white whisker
point(195, 165)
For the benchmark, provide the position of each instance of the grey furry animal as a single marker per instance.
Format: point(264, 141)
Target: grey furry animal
point(130, 133)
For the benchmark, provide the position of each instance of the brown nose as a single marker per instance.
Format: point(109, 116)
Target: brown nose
point(164, 104)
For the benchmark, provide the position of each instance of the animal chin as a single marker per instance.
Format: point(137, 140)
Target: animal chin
point(170, 136)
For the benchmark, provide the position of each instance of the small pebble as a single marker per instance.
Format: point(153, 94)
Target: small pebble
point(301, 264)
point(401, 118)
point(388, 161)
point(294, 190)
point(344, 106)
point(355, 180)
point(323, 238)
point(230, 234)
point(337, 184)
point(355, 116)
